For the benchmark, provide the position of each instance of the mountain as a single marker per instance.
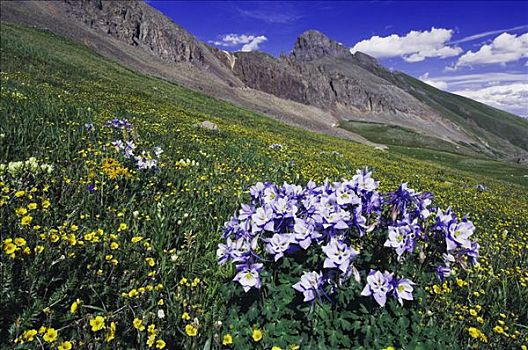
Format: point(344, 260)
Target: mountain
point(318, 86)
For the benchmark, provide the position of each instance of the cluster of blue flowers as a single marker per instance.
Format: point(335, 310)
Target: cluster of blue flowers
point(145, 160)
point(334, 218)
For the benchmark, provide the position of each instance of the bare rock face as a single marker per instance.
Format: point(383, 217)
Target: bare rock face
point(312, 45)
point(322, 73)
point(138, 24)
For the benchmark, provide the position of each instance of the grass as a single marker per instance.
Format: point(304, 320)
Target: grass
point(51, 87)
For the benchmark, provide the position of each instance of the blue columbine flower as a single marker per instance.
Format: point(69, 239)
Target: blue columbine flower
point(248, 276)
point(338, 255)
point(278, 244)
point(403, 289)
point(310, 285)
point(378, 285)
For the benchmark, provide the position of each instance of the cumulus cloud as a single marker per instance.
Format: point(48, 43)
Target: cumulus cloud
point(509, 97)
point(248, 42)
point(504, 48)
point(439, 84)
point(414, 46)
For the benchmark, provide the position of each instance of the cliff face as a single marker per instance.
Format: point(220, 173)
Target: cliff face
point(322, 73)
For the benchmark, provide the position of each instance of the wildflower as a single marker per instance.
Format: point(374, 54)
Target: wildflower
point(51, 335)
point(138, 324)
point(310, 285)
point(196, 281)
point(122, 227)
point(191, 331)
point(150, 261)
point(228, 340)
point(29, 335)
point(111, 332)
point(136, 239)
point(378, 285)
point(21, 211)
point(278, 244)
point(498, 329)
point(32, 206)
point(9, 247)
point(160, 344)
point(403, 289)
point(248, 276)
point(114, 245)
point(66, 345)
point(185, 316)
point(151, 340)
point(97, 323)
point(257, 334)
point(338, 255)
point(75, 305)
point(26, 220)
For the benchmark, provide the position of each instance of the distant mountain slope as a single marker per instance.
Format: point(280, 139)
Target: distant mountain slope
point(317, 86)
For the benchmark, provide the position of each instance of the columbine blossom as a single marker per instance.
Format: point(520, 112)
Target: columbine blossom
point(263, 219)
point(278, 244)
point(310, 285)
point(458, 235)
point(305, 233)
point(378, 285)
point(338, 255)
point(117, 123)
point(248, 276)
point(403, 289)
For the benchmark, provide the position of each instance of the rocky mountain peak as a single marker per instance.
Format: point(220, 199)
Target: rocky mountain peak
point(313, 44)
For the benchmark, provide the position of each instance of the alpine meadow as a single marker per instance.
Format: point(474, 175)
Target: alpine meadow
point(136, 213)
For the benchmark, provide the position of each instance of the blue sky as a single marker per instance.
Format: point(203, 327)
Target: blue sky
point(476, 48)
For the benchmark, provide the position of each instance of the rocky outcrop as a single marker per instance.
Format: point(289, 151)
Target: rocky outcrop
point(320, 72)
point(138, 24)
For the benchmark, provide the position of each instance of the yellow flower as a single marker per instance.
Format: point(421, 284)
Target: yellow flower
point(133, 293)
point(390, 347)
point(498, 329)
point(195, 282)
point(160, 344)
point(114, 245)
point(29, 335)
point(21, 211)
point(51, 335)
point(122, 227)
point(19, 241)
point(150, 261)
point(186, 316)
point(190, 330)
point(26, 220)
point(32, 206)
point(138, 324)
point(9, 247)
point(228, 339)
point(75, 305)
point(160, 302)
point(276, 348)
point(111, 332)
point(257, 334)
point(42, 330)
point(19, 194)
point(183, 281)
point(151, 329)
point(39, 249)
point(67, 345)
point(97, 323)
point(136, 239)
point(473, 312)
point(151, 339)
point(46, 204)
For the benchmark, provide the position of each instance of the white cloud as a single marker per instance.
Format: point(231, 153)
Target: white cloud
point(485, 34)
point(509, 97)
point(249, 42)
point(254, 44)
point(439, 84)
point(414, 46)
point(504, 48)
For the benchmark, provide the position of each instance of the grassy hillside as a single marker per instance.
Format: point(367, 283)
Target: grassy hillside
point(96, 248)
